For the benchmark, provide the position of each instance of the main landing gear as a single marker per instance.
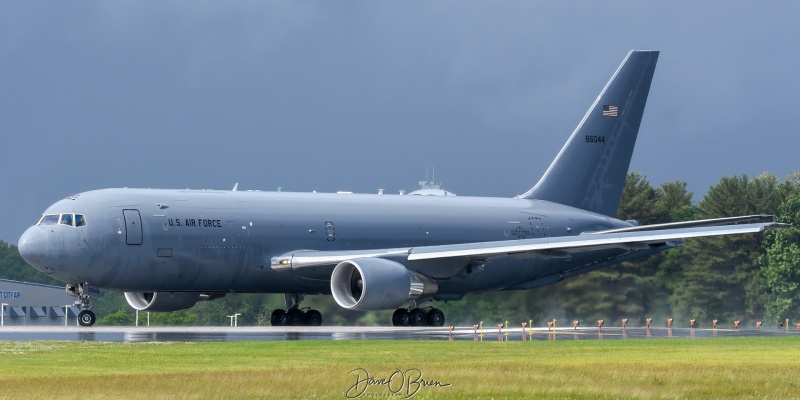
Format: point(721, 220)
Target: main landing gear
point(293, 315)
point(418, 317)
point(86, 317)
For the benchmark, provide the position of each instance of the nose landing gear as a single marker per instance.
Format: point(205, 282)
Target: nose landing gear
point(86, 317)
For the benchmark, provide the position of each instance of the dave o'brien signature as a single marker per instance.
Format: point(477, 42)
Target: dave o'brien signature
point(400, 383)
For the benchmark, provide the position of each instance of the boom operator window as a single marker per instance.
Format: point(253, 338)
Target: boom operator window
point(68, 219)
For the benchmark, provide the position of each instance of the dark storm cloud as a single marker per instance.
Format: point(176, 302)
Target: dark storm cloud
point(362, 95)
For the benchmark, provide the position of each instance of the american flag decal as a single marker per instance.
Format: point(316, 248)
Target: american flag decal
point(609, 111)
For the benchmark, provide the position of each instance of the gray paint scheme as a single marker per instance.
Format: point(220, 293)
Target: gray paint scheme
point(592, 177)
point(210, 241)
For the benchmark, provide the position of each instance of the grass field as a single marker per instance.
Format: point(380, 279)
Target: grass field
point(657, 368)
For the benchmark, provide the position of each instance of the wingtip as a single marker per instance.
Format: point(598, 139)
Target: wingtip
point(776, 225)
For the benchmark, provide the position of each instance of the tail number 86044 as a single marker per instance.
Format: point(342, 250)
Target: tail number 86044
point(595, 139)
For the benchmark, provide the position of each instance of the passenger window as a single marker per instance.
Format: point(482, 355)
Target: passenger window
point(50, 219)
point(66, 219)
point(79, 220)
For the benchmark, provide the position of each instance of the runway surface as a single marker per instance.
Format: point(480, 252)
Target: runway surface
point(230, 334)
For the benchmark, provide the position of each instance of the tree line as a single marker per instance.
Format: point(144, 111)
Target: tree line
point(741, 277)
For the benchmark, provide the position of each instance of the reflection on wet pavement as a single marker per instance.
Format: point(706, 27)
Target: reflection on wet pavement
point(230, 334)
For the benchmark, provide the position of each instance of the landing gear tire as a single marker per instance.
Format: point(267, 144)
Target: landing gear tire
point(313, 318)
point(86, 318)
point(435, 317)
point(292, 315)
point(418, 317)
point(296, 317)
point(401, 317)
point(278, 318)
point(82, 291)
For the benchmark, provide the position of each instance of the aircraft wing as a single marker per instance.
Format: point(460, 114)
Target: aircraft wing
point(595, 241)
point(614, 239)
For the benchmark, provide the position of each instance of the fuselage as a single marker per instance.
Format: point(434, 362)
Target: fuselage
point(223, 241)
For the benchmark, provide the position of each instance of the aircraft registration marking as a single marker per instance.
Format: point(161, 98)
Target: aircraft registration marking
point(595, 139)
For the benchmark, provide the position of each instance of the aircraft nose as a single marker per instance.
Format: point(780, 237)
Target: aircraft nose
point(33, 246)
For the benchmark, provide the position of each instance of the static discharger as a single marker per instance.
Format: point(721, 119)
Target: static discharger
point(691, 323)
point(649, 321)
point(714, 324)
point(669, 322)
point(624, 323)
point(575, 324)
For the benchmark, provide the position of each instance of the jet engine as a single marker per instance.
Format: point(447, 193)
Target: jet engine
point(162, 301)
point(367, 284)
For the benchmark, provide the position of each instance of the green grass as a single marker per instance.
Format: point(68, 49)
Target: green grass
point(657, 368)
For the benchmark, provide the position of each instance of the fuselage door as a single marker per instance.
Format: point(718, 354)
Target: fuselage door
point(133, 227)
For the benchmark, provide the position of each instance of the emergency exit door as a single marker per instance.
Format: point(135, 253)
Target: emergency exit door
point(133, 227)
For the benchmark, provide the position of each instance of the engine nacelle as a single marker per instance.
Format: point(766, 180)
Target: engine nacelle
point(162, 301)
point(367, 284)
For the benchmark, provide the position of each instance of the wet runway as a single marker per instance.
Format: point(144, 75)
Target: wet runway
point(230, 334)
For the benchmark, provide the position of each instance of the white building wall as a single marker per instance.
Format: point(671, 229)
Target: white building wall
point(34, 304)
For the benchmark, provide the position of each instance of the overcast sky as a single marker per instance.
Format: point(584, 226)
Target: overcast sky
point(363, 95)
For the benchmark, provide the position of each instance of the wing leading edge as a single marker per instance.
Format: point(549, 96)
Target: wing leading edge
point(627, 239)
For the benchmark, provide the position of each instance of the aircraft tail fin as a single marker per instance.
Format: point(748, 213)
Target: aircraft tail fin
point(589, 171)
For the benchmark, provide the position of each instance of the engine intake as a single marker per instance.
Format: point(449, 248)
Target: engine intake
point(162, 301)
point(367, 284)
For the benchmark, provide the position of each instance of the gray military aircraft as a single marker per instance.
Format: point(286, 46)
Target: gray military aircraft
point(169, 249)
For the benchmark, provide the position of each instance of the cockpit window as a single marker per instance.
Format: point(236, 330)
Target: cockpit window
point(50, 219)
point(66, 219)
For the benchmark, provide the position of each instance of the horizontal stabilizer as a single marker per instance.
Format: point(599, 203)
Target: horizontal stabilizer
point(691, 224)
